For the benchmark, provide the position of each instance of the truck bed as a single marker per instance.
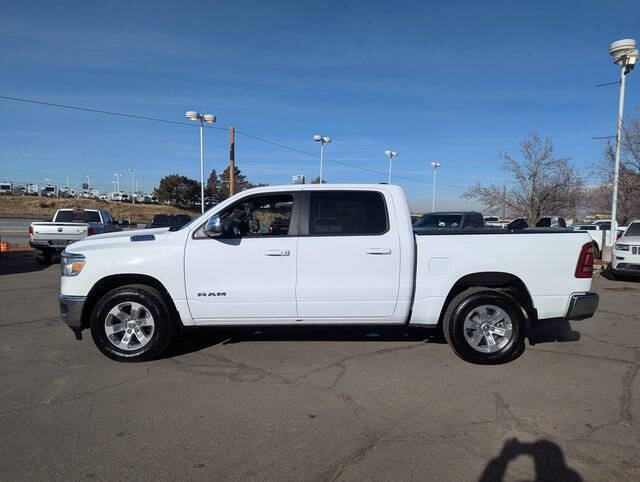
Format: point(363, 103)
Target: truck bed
point(489, 230)
point(542, 263)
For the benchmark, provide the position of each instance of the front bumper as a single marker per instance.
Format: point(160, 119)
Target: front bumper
point(71, 310)
point(582, 306)
point(631, 269)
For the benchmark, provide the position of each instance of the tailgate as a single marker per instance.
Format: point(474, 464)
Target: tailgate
point(58, 234)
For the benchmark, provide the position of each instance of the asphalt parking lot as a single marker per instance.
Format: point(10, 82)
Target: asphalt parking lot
point(315, 403)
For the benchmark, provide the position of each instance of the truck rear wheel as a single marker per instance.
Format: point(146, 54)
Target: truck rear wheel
point(45, 256)
point(484, 326)
point(132, 323)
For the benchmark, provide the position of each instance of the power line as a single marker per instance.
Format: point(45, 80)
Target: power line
point(106, 112)
point(242, 133)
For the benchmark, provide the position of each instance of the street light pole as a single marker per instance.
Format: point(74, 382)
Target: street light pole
point(616, 171)
point(390, 155)
point(209, 119)
point(435, 165)
point(133, 184)
point(625, 54)
point(322, 140)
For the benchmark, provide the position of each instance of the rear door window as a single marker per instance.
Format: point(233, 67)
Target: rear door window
point(440, 221)
point(347, 213)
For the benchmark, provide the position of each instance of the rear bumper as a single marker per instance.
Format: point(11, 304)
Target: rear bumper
point(71, 309)
point(43, 245)
point(582, 306)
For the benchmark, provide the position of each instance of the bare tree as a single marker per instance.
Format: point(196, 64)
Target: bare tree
point(629, 176)
point(541, 184)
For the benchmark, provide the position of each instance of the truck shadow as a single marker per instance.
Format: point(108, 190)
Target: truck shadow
point(553, 330)
point(607, 274)
point(20, 262)
point(196, 339)
point(548, 460)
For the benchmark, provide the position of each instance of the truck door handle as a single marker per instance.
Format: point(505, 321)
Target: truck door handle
point(378, 251)
point(276, 252)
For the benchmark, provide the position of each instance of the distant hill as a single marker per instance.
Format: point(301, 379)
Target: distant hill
point(44, 208)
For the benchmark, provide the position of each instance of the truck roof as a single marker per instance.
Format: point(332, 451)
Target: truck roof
point(455, 213)
point(82, 209)
point(309, 187)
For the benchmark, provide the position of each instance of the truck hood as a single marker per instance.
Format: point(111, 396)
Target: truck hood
point(135, 238)
point(632, 240)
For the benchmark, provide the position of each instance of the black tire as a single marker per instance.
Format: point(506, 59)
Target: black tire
point(612, 274)
point(45, 257)
point(153, 302)
point(458, 309)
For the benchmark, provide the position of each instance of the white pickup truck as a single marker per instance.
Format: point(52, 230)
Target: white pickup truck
point(68, 226)
point(323, 255)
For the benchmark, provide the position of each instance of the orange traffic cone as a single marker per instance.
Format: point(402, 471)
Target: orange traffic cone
point(4, 247)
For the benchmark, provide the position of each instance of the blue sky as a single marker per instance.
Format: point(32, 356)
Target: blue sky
point(457, 82)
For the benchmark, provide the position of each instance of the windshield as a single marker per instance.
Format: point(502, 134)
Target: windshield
point(633, 230)
point(77, 217)
point(440, 221)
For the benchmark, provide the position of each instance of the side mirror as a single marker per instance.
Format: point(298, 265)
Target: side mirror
point(213, 228)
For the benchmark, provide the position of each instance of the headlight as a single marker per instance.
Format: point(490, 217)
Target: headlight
point(71, 264)
point(621, 247)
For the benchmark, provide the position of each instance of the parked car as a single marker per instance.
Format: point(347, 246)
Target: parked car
point(49, 191)
point(169, 221)
point(625, 255)
point(551, 222)
point(6, 188)
point(603, 223)
point(517, 224)
point(369, 268)
point(451, 220)
point(68, 226)
point(596, 232)
point(494, 221)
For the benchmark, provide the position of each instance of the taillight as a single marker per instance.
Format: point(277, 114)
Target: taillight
point(90, 231)
point(584, 268)
point(30, 231)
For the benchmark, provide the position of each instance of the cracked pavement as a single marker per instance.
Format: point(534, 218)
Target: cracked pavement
point(316, 403)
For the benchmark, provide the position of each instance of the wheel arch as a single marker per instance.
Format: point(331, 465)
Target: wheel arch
point(108, 283)
point(508, 282)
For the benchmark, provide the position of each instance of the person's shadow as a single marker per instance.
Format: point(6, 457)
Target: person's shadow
point(547, 457)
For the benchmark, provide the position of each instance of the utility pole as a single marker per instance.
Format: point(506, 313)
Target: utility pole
point(232, 161)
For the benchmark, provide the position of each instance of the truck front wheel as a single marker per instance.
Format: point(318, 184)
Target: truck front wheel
point(132, 323)
point(484, 326)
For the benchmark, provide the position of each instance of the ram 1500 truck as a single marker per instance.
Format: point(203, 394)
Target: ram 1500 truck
point(68, 225)
point(323, 255)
